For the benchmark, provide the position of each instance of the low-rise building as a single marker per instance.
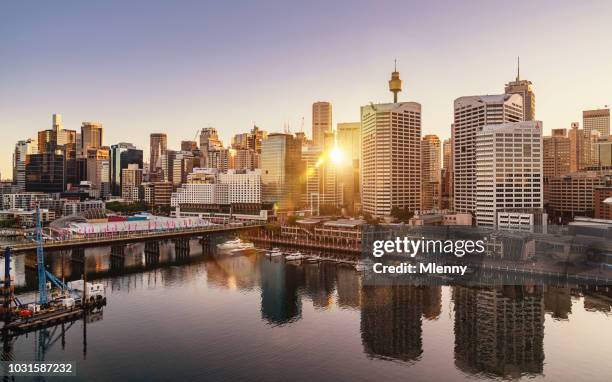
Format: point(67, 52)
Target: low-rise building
point(440, 217)
point(77, 207)
point(573, 194)
point(27, 218)
point(603, 203)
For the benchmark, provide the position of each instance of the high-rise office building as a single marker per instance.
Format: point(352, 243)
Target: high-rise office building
point(53, 144)
point(446, 198)
point(556, 157)
point(120, 156)
point(98, 171)
point(431, 172)
point(22, 150)
point(321, 121)
point(132, 179)
point(348, 136)
point(282, 169)
point(182, 165)
point(509, 172)
point(251, 140)
point(578, 148)
point(91, 137)
point(525, 89)
point(209, 141)
point(189, 146)
point(556, 150)
point(391, 157)
point(157, 146)
point(45, 172)
point(596, 120)
point(167, 166)
point(471, 114)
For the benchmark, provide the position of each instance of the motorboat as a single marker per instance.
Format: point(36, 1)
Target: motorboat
point(360, 267)
point(231, 244)
point(274, 252)
point(295, 256)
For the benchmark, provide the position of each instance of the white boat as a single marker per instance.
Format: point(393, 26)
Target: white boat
point(295, 256)
point(274, 252)
point(232, 244)
point(242, 249)
point(360, 267)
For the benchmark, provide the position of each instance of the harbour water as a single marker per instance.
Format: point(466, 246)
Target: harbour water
point(187, 313)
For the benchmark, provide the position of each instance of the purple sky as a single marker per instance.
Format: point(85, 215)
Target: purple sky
point(175, 67)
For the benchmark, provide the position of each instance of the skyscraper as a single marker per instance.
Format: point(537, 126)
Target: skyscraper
point(471, 114)
point(158, 146)
point(430, 172)
point(121, 155)
point(556, 153)
point(556, 157)
point(578, 156)
point(282, 170)
point(22, 150)
point(91, 137)
point(598, 120)
point(446, 199)
point(348, 136)
point(132, 179)
point(391, 157)
point(509, 172)
point(321, 121)
point(98, 170)
point(525, 89)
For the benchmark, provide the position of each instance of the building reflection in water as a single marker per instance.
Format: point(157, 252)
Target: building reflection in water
point(499, 331)
point(391, 319)
point(280, 302)
point(558, 302)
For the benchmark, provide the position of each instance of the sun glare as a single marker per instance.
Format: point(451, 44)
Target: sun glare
point(337, 156)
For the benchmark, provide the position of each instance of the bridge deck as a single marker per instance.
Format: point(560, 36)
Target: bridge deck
point(115, 238)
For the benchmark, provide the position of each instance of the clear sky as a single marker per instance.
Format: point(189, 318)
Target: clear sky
point(176, 66)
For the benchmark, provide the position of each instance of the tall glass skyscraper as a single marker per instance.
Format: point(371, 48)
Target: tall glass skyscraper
point(121, 155)
point(282, 171)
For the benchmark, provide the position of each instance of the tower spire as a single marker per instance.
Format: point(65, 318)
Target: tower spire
point(395, 84)
point(518, 68)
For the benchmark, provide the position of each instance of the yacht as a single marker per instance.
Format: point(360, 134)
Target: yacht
point(294, 256)
point(360, 267)
point(274, 252)
point(231, 244)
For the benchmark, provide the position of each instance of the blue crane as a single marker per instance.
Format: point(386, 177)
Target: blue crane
point(40, 261)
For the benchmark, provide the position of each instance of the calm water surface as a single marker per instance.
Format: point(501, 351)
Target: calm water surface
point(187, 314)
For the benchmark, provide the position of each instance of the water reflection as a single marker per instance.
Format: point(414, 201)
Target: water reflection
point(499, 331)
point(494, 332)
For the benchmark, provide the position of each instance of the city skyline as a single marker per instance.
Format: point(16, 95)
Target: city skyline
point(140, 77)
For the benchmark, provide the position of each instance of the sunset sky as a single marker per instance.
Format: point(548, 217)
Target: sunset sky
point(175, 67)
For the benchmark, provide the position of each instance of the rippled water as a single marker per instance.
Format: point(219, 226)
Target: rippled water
point(178, 314)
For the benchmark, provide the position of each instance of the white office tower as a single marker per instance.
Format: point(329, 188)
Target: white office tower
point(391, 157)
point(509, 171)
point(471, 115)
point(22, 150)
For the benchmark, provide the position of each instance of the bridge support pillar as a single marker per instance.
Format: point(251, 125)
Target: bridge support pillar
point(117, 257)
point(151, 252)
point(181, 248)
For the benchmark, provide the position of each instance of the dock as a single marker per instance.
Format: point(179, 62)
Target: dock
point(40, 321)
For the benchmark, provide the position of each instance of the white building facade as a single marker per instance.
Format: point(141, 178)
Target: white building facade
point(509, 174)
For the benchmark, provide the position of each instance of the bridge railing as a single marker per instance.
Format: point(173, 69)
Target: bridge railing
point(106, 236)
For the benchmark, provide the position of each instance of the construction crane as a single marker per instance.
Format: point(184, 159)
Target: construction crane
point(40, 261)
point(43, 274)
